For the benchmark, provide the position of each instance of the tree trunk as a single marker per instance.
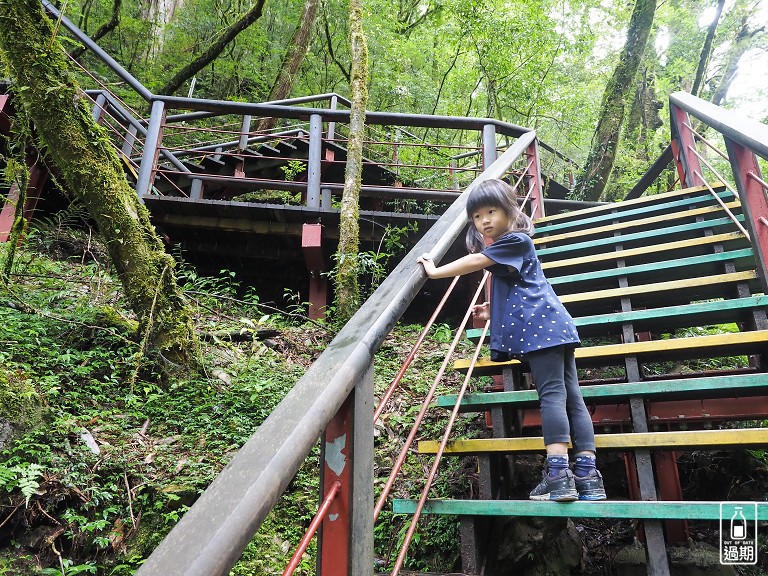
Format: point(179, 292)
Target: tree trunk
point(605, 141)
point(92, 171)
point(103, 30)
point(742, 43)
point(160, 13)
point(213, 51)
point(706, 49)
point(347, 289)
point(294, 56)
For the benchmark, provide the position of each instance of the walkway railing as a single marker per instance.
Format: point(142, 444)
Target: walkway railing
point(745, 140)
point(173, 137)
point(212, 534)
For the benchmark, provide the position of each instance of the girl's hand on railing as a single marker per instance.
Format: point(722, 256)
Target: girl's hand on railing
point(482, 311)
point(429, 266)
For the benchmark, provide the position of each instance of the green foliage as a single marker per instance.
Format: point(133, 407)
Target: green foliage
point(116, 466)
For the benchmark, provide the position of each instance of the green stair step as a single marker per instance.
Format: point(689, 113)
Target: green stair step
point(647, 217)
point(648, 254)
point(678, 440)
point(710, 387)
point(670, 317)
point(716, 345)
point(615, 209)
point(674, 292)
point(635, 509)
point(662, 319)
point(647, 236)
point(674, 269)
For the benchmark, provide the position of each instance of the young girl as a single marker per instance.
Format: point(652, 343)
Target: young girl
point(528, 321)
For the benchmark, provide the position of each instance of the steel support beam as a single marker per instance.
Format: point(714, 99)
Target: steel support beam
point(345, 546)
point(688, 166)
point(489, 145)
point(312, 246)
point(151, 148)
point(754, 202)
point(314, 160)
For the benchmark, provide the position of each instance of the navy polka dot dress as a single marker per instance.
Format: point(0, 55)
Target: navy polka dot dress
point(526, 314)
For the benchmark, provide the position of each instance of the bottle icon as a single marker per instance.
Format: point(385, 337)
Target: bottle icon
point(738, 525)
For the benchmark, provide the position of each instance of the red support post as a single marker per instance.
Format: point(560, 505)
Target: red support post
point(333, 548)
point(534, 181)
point(682, 141)
point(312, 246)
point(345, 545)
point(754, 202)
point(5, 113)
point(38, 175)
point(668, 481)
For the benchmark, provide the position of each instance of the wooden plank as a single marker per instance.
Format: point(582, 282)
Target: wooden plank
point(712, 262)
point(650, 253)
point(678, 440)
point(630, 224)
point(689, 285)
point(712, 387)
point(637, 509)
point(665, 318)
point(617, 207)
point(601, 244)
point(706, 312)
point(739, 343)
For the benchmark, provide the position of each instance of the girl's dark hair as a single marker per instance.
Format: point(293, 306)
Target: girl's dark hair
point(494, 193)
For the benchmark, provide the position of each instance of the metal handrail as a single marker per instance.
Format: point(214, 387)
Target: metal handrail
point(211, 536)
point(425, 404)
point(745, 131)
point(443, 442)
point(731, 215)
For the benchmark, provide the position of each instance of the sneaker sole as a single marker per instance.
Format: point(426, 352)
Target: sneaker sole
point(592, 497)
point(567, 497)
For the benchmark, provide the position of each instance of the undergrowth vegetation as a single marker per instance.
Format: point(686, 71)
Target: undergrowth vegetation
point(101, 454)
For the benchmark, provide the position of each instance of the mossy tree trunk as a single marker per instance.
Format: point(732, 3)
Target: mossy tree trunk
point(605, 141)
point(80, 149)
point(347, 288)
point(706, 49)
point(216, 47)
point(294, 56)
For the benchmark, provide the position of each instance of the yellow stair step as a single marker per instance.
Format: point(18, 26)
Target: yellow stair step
point(687, 439)
point(732, 344)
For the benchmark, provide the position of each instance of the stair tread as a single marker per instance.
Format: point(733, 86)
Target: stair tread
point(716, 386)
point(601, 244)
point(663, 318)
point(653, 291)
point(651, 252)
point(679, 267)
point(678, 440)
point(705, 313)
point(649, 222)
point(616, 209)
point(635, 509)
point(738, 343)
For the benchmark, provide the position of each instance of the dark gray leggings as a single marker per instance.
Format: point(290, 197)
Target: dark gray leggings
point(564, 416)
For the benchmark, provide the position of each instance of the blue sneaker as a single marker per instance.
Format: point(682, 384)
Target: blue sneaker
point(590, 487)
point(561, 488)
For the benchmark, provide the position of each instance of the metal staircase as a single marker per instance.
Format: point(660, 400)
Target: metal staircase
point(634, 274)
point(645, 281)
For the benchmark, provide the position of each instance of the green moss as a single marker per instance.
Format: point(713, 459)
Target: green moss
point(109, 317)
point(20, 405)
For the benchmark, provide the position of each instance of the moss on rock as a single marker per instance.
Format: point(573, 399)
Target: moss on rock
point(20, 405)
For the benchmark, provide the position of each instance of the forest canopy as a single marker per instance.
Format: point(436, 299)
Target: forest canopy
point(543, 64)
